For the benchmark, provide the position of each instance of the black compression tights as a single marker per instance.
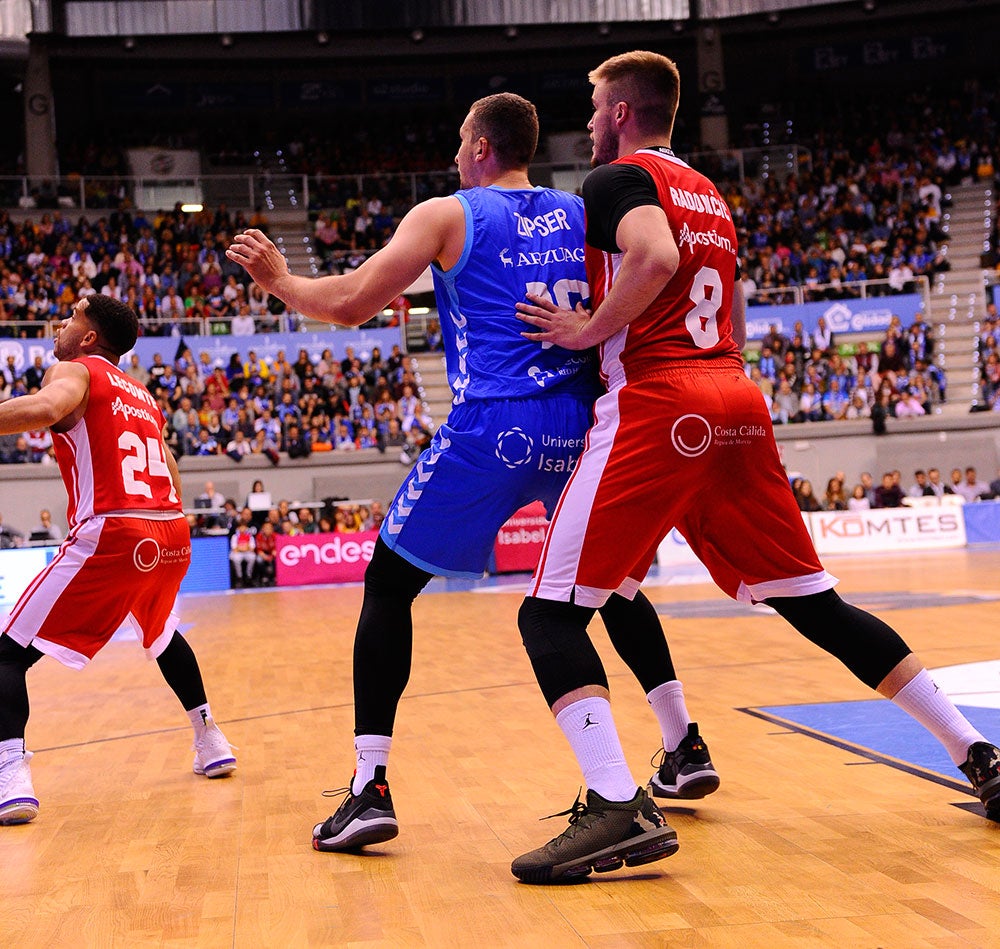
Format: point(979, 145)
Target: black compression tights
point(15, 661)
point(564, 658)
point(177, 663)
point(383, 644)
point(180, 670)
point(635, 631)
point(862, 642)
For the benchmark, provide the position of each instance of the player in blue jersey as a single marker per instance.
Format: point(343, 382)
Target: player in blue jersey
point(513, 434)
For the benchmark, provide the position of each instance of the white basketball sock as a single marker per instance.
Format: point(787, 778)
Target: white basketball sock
point(590, 729)
point(199, 715)
point(11, 750)
point(667, 703)
point(930, 706)
point(370, 751)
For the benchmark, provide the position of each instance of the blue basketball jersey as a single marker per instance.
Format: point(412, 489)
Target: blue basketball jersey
point(516, 242)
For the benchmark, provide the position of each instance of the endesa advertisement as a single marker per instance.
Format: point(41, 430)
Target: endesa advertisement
point(323, 558)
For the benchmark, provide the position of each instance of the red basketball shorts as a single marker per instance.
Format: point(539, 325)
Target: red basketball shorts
point(690, 448)
point(108, 572)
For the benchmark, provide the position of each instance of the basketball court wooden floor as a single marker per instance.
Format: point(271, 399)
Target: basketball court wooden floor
point(810, 841)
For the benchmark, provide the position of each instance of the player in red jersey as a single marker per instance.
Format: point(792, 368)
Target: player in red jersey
point(128, 546)
point(682, 438)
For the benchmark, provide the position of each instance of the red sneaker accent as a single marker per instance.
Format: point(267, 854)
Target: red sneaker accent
point(382, 788)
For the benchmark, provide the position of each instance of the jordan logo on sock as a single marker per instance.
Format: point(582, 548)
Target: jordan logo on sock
point(361, 756)
point(204, 718)
point(587, 723)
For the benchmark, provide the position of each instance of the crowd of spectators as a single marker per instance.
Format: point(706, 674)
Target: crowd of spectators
point(873, 217)
point(808, 378)
point(989, 360)
point(962, 487)
point(863, 206)
point(273, 406)
point(170, 266)
point(268, 407)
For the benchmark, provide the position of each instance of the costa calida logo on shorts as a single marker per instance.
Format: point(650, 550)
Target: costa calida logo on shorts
point(146, 555)
point(691, 435)
point(514, 447)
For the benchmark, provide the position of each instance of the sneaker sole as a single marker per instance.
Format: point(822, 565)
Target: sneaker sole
point(376, 832)
point(992, 805)
point(651, 846)
point(696, 786)
point(218, 769)
point(19, 812)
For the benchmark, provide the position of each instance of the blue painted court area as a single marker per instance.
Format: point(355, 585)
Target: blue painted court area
point(877, 729)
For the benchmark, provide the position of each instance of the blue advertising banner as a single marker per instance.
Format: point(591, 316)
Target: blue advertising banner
point(209, 568)
point(870, 316)
point(982, 522)
point(220, 348)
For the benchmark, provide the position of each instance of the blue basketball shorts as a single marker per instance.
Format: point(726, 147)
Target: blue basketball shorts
point(486, 462)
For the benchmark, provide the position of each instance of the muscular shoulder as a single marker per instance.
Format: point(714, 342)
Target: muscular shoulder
point(441, 211)
point(71, 370)
point(609, 193)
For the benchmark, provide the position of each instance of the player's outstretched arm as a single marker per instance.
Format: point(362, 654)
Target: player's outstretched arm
point(353, 298)
point(62, 393)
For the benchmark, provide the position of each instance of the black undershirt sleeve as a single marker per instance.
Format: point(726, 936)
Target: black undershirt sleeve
point(609, 193)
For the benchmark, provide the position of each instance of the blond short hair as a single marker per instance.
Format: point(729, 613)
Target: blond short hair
point(648, 82)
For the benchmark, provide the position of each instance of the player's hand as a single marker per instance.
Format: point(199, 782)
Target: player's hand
point(555, 325)
point(256, 253)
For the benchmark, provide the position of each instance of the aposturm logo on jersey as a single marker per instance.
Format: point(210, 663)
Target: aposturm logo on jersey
point(702, 238)
point(514, 447)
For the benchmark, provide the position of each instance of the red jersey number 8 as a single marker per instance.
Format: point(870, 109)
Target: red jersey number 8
point(702, 319)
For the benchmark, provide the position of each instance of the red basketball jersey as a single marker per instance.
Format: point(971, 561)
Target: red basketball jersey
point(690, 319)
point(112, 460)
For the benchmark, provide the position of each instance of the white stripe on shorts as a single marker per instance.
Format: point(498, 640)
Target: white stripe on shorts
point(556, 574)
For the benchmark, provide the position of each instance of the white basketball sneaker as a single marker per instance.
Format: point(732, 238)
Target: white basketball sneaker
point(18, 803)
point(213, 755)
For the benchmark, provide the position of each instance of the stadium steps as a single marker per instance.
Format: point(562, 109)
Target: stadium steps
point(432, 379)
point(957, 297)
point(290, 230)
point(228, 185)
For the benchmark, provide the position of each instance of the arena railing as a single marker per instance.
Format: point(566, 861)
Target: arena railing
point(269, 191)
point(857, 290)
